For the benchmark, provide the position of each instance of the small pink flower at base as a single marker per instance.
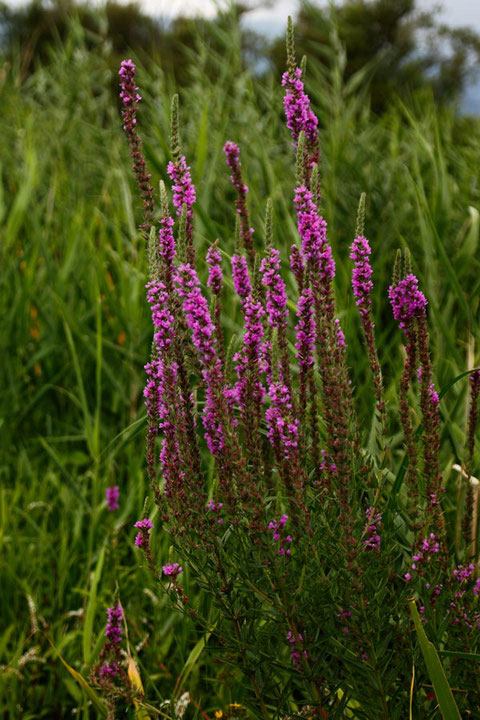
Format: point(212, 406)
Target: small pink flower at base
point(109, 670)
point(339, 334)
point(111, 496)
point(294, 652)
point(460, 573)
point(215, 507)
point(143, 537)
point(172, 570)
point(373, 540)
point(476, 589)
point(277, 526)
point(433, 394)
point(344, 615)
point(431, 544)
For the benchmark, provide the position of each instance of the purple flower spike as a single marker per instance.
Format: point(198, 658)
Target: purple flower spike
point(232, 153)
point(241, 279)
point(183, 189)
point(114, 627)
point(276, 291)
point(313, 232)
point(111, 496)
point(215, 276)
point(166, 247)
point(197, 314)
point(130, 99)
point(129, 94)
point(282, 426)
point(299, 114)
point(361, 275)
point(183, 194)
point(407, 301)
point(305, 330)
point(248, 360)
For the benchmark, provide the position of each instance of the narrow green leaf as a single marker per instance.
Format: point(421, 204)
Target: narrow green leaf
point(97, 702)
point(190, 663)
point(446, 701)
point(91, 607)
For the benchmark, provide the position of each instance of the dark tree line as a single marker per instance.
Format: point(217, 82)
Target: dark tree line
point(404, 49)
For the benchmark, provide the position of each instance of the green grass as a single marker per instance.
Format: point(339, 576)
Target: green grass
point(75, 328)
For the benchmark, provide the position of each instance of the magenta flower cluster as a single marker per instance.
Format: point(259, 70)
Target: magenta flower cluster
point(428, 547)
point(278, 532)
point(282, 425)
point(109, 670)
point(183, 189)
point(172, 570)
point(361, 274)
point(114, 627)
point(300, 116)
point(197, 314)
point(407, 300)
point(313, 232)
point(241, 278)
point(143, 537)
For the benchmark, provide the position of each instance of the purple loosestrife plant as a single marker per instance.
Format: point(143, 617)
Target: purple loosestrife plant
point(306, 545)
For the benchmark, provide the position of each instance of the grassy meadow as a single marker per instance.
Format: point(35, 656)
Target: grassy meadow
point(76, 329)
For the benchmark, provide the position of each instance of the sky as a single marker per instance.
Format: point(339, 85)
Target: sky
point(273, 20)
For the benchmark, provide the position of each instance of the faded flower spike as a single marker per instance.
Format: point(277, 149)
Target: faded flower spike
point(111, 496)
